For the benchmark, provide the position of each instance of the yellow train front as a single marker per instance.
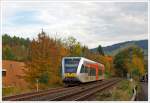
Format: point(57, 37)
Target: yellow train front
point(77, 70)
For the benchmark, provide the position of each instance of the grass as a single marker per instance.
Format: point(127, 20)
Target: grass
point(8, 91)
point(121, 92)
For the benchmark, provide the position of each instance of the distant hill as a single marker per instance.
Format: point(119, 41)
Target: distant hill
point(113, 49)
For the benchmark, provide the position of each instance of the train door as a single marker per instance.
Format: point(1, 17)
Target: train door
point(83, 73)
point(91, 73)
point(88, 70)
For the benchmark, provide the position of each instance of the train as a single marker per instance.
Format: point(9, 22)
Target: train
point(76, 70)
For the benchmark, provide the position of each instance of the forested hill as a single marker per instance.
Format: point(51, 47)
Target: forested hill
point(113, 49)
point(14, 48)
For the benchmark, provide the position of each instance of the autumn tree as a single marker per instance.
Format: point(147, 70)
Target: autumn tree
point(44, 61)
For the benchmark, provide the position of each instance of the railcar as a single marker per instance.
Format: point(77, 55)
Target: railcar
point(77, 70)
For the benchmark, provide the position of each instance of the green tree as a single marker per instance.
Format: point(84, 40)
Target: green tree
point(7, 54)
point(100, 50)
point(85, 51)
point(120, 64)
point(74, 46)
point(6, 39)
point(77, 50)
point(18, 46)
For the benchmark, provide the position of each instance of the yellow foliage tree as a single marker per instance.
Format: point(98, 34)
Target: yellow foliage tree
point(138, 63)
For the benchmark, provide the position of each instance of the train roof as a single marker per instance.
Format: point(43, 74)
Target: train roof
point(83, 59)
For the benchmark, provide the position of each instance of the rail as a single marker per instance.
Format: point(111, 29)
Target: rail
point(134, 93)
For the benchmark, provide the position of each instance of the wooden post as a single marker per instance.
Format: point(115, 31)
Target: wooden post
point(37, 85)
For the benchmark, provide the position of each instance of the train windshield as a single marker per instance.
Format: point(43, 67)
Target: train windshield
point(71, 65)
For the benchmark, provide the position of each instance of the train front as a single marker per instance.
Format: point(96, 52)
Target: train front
point(69, 70)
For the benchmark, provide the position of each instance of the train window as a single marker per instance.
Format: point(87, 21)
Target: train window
point(88, 71)
point(83, 69)
point(71, 65)
point(72, 61)
point(70, 69)
point(93, 72)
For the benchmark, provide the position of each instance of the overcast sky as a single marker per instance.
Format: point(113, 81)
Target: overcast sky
point(91, 23)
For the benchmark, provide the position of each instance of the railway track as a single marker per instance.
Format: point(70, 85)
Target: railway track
point(31, 95)
point(85, 92)
point(65, 94)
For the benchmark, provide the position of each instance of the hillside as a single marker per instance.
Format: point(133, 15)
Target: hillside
point(113, 49)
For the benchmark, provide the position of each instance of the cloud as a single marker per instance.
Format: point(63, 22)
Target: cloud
point(91, 23)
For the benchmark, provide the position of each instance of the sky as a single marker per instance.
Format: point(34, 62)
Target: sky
point(91, 23)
